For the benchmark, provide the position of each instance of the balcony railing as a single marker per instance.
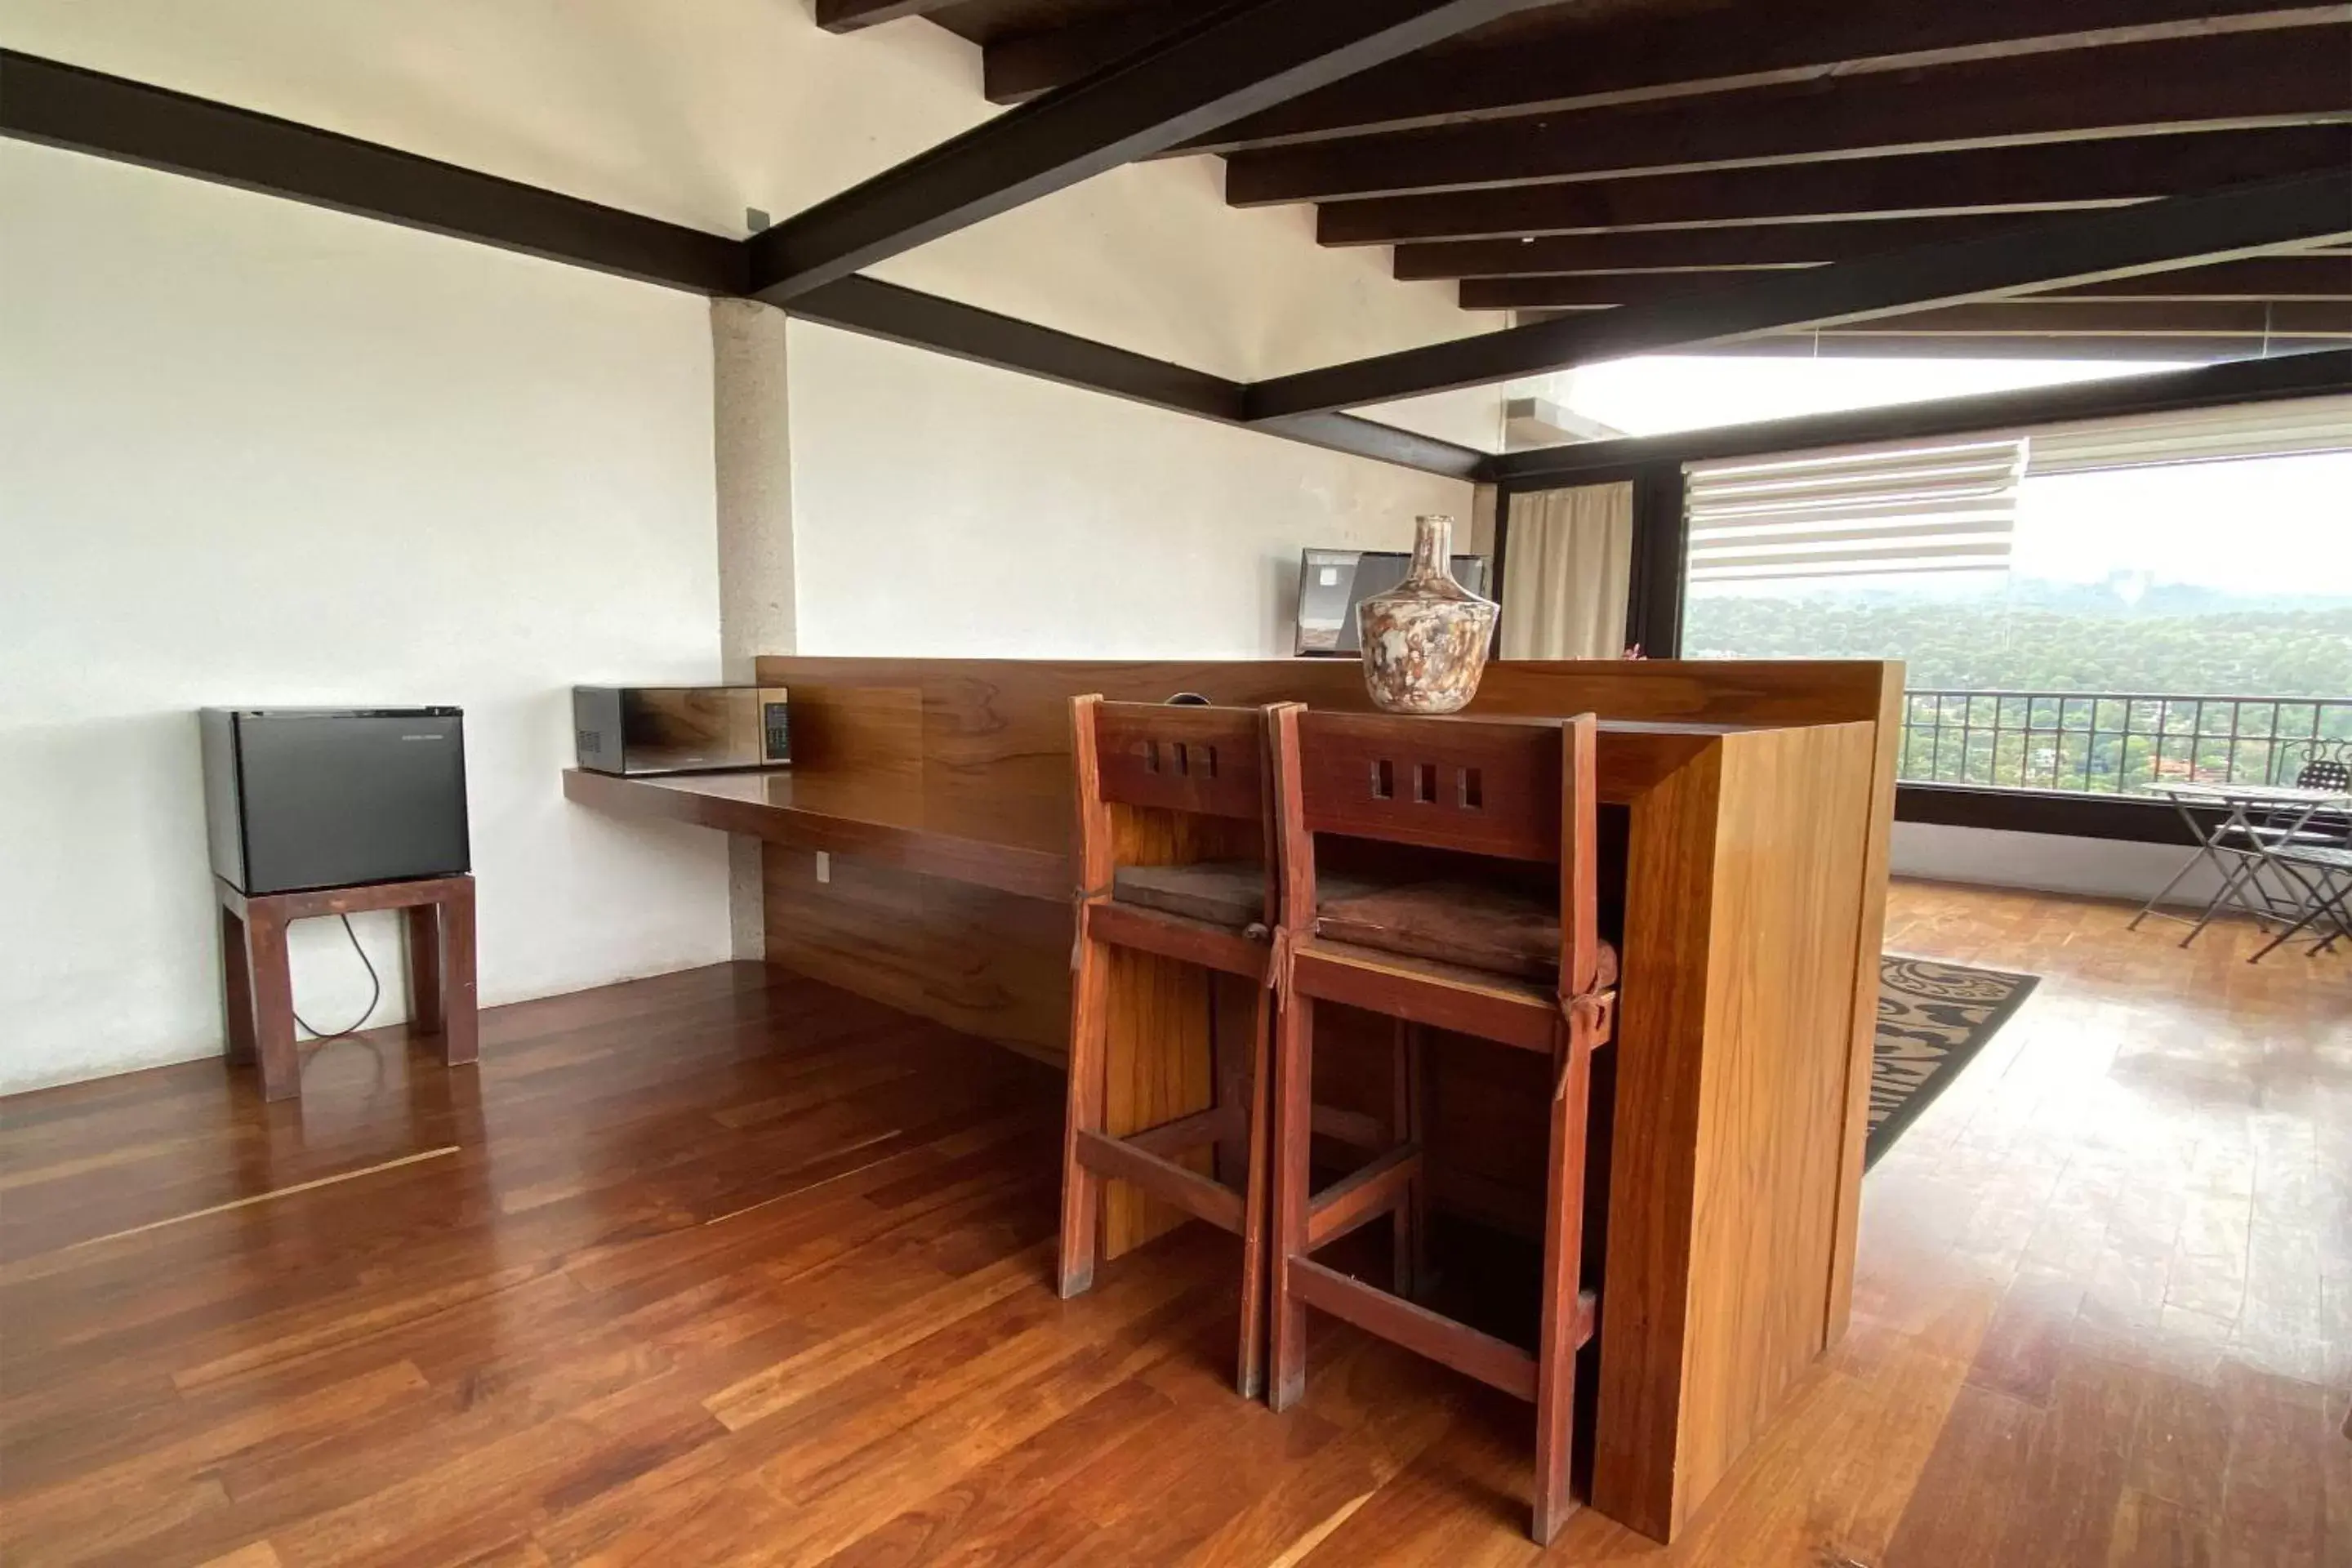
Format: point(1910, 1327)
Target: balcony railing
point(2110, 743)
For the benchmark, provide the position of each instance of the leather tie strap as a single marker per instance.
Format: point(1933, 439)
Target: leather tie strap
point(1278, 960)
point(1079, 898)
point(1594, 1010)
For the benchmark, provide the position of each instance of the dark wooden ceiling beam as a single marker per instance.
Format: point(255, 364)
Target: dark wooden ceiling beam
point(2325, 374)
point(849, 15)
point(2265, 277)
point(874, 309)
point(1692, 250)
point(1619, 59)
point(2305, 210)
point(87, 113)
point(1362, 437)
point(2061, 321)
point(1982, 180)
point(129, 121)
point(1238, 59)
point(2291, 76)
point(1018, 69)
point(1595, 290)
point(2068, 317)
point(2124, 348)
point(1669, 251)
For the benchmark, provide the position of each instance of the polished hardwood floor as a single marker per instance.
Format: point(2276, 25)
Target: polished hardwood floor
point(727, 1267)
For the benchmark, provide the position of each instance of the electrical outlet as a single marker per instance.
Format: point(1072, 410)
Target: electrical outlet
point(824, 867)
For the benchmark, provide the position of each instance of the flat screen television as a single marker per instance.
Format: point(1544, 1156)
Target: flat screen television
point(1332, 582)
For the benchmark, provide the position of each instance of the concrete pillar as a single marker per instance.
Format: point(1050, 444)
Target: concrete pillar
point(752, 455)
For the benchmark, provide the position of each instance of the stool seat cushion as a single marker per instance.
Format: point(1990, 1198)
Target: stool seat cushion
point(1473, 924)
point(1223, 892)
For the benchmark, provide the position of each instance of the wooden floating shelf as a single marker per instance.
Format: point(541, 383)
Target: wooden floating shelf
point(760, 805)
point(1634, 755)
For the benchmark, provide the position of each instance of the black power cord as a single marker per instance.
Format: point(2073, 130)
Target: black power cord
point(375, 995)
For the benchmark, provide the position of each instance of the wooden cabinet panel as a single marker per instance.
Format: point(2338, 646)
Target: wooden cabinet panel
point(1755, 801)
point(987, 962)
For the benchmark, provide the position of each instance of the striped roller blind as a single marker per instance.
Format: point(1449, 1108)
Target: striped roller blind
point(2289, 427)
point(1943, 506)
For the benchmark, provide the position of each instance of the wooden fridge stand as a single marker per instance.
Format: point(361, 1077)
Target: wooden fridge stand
point(258, 987)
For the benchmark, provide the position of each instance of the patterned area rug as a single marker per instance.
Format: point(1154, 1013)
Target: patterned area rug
point(1932, 1018)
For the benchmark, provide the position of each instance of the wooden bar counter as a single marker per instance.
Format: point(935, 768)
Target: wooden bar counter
point(1750, 891)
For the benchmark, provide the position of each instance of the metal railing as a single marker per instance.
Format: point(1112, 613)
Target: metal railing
point(2110, 742)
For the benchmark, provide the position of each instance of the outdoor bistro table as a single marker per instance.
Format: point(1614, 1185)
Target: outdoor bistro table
point(2239, 845)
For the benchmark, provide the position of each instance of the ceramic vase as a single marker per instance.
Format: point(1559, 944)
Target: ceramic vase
point(1425, 640)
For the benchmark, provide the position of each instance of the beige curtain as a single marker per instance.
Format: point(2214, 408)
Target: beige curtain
point(1565, 570)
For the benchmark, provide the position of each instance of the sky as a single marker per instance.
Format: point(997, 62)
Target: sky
point(2272, 525)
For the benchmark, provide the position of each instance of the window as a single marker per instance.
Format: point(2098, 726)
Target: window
point(2084, 608)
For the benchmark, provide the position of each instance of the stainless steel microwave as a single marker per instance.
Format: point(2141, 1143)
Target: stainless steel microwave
point(680, 729)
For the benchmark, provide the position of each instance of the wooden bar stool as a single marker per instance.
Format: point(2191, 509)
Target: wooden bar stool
point(1175, 828)
point(1476, 954)
point(258, 990)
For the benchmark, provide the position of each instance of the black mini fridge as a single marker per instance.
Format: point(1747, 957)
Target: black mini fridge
point(296, 798)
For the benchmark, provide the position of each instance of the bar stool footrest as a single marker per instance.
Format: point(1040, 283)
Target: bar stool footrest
point(1164, 1178)
point(1352, 1128)
point(1363, 1195)
point(1496, 1362)
point(1169, 1139)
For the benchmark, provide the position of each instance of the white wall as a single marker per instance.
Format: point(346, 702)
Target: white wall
point(253, 453)
point(259, 453)
point(2048, 862)
point(949, 509)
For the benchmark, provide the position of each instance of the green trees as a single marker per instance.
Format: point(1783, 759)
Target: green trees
point(2056, 638)
point(2268, 652)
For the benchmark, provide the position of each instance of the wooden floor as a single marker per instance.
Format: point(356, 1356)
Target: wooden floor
point(729, 1267)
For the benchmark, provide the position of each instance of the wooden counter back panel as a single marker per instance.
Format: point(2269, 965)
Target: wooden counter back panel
point(990, 964)
point(858, 751)
point(994, 733)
